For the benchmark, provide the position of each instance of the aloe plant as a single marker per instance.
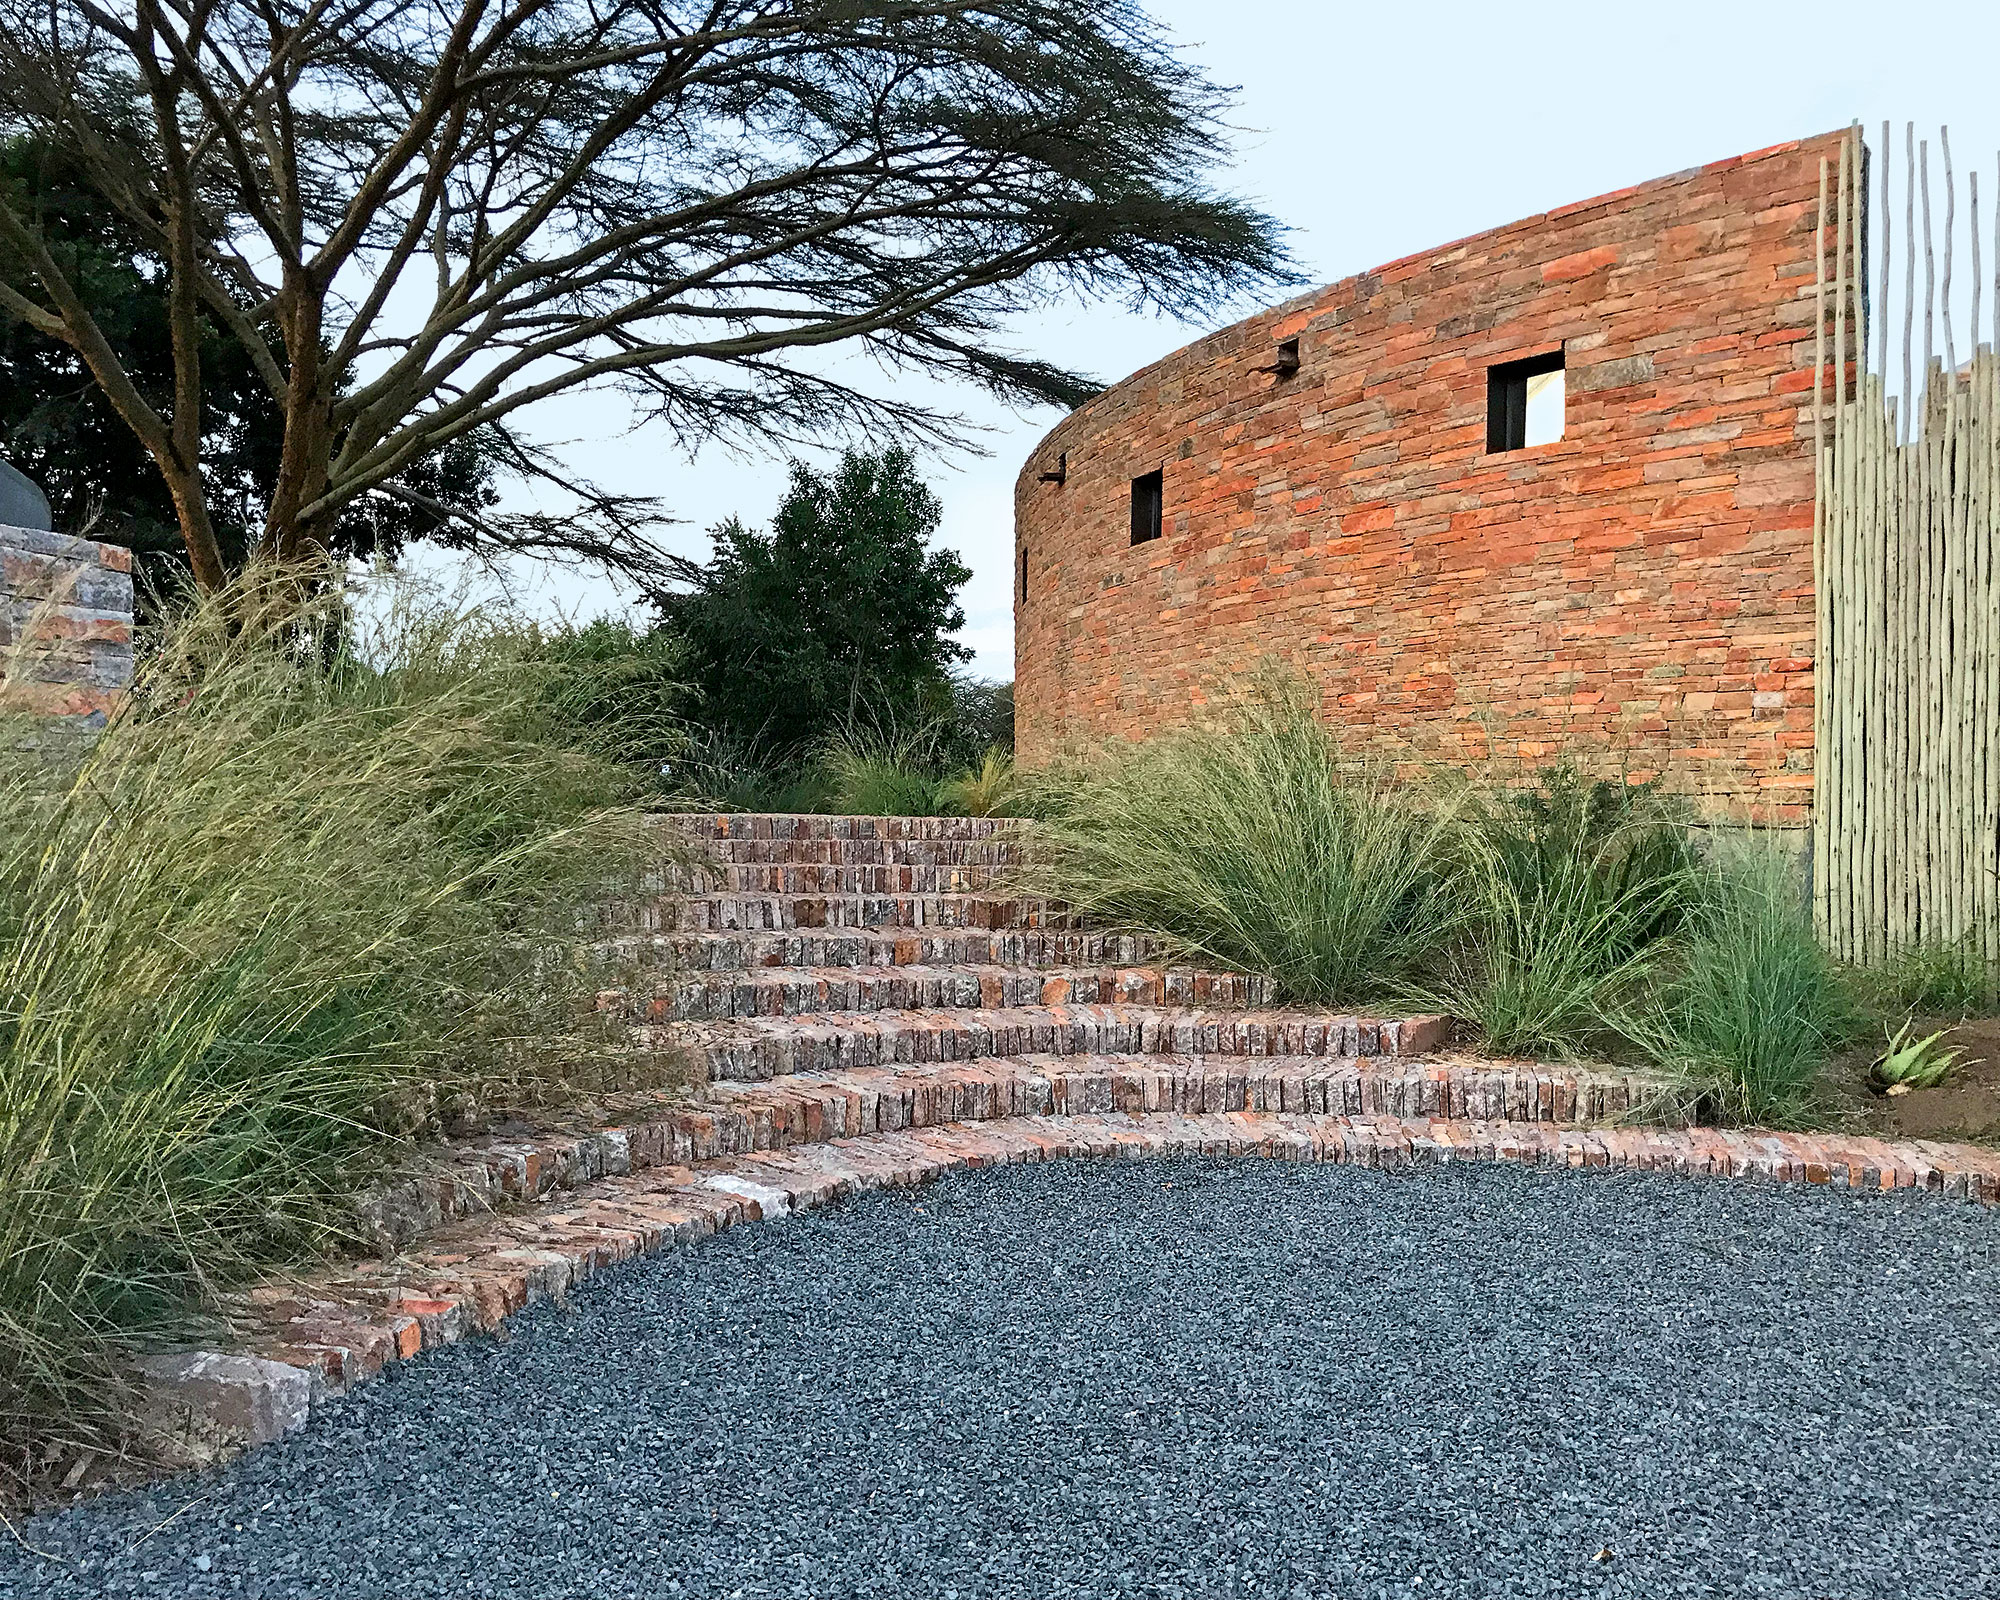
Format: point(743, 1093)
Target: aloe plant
point(1909, 1063)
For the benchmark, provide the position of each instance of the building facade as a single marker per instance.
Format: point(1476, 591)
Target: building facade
point(1548, 490)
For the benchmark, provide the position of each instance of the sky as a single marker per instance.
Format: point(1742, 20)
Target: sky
point(1374, 132)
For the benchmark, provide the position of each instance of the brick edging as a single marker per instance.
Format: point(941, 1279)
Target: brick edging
point(304, 1341)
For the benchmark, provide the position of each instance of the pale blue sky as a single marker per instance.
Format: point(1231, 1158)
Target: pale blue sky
point(1374, 132)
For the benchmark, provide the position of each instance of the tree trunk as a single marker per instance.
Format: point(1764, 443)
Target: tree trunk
point(197, 531)
point(307, 454)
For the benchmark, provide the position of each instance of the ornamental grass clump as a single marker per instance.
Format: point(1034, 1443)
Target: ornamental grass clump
point(1753, 1008)
point(299, 902)
point(1261, 847)
point(1575, 890)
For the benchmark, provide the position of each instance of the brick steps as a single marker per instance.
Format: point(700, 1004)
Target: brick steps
point(649, 1130)
point(784, 913)
point(810, 991)
point(856, 1038)
point(883, 947)
point(771, 1047)
point(306, 1338)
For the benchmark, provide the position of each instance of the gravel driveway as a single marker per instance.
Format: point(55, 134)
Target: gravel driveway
point(1166, 1378)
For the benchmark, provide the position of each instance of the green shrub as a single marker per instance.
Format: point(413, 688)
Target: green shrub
point(1575, 885)
point(300, 900)
point(1261, 847)
point(1754, 1008)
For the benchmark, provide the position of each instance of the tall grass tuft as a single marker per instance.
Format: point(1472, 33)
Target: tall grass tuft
point(1261, 847)
point(884, 773)
point(1754, 1007)
point(301, 899)
point(987, 790)
point(1940, 979)
point(1576, 886)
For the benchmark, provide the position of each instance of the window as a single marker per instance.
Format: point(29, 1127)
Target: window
point(1287, 363)
point(1524, 403)
point(1147, 493)
point(1024, 572)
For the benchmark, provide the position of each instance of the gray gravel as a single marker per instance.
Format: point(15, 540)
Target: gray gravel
point(1168, 1378)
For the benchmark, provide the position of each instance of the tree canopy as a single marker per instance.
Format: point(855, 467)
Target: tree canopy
point(57, 426)
point(416, 217)
point(840, 613)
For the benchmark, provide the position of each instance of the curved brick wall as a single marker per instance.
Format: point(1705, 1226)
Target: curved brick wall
point(1639, 592)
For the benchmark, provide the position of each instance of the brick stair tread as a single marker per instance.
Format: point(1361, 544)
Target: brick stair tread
point(991, 852)
point(344, 1323)
point(806, 992)
point(730, 825)
point(765, 1047)
point(773, 913)
point(884, 945)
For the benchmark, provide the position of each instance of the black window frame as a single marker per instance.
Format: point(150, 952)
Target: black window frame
point(1507, 399)
point(1149, 506)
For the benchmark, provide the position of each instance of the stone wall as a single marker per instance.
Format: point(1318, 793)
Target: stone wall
point(1639, 592)
point(65, 623)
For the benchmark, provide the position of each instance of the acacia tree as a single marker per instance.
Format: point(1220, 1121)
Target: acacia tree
point(419, 216)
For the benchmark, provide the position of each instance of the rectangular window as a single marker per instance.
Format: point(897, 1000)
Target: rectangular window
point(1148, 492)
point(1524, 403)
point(1024, 572)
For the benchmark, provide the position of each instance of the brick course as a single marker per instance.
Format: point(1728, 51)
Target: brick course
point(65, 623)
point(1639, 592)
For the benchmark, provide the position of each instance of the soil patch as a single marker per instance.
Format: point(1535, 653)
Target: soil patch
point(1966, 1106)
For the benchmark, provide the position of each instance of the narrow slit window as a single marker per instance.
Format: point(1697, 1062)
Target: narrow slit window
point(1024, 572)
point(1147, 493)
point(1524, 403)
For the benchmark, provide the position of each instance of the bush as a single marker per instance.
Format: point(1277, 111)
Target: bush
point(1261, 848)
point(301, 900)
point(1754, 1008)
point(987, 790)
point(1576, 885)
point(920, 758)
point(841, 607)
point(883, 775)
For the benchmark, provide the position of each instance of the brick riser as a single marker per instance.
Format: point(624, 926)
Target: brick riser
point(729, 827)
point(805, 992)
point(755, 1048)
point(993, 855)
point(807, 1109)
point(774, 913)
point(828, 878)
point(884, 947)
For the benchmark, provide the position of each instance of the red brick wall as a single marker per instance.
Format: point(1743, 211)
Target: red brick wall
point(1638, 594)
point(65, 624)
